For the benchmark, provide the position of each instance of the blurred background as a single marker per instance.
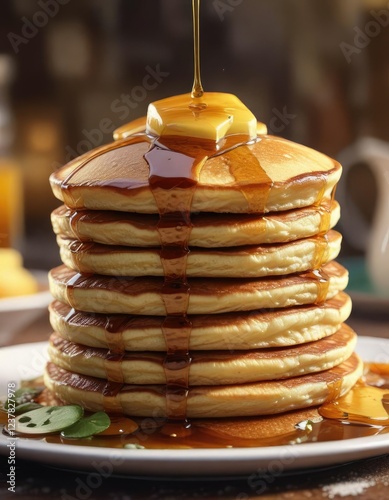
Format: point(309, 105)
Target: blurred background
point(72, 71)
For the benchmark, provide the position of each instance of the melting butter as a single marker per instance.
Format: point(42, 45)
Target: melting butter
point(138, 126)
point(213, 116)
point(135, 127)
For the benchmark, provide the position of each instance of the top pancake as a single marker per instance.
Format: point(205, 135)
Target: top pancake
point(271, 174)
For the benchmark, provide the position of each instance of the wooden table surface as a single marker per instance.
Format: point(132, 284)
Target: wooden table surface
point(364, 479)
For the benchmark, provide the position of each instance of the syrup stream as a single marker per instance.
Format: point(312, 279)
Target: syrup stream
point(197, 90)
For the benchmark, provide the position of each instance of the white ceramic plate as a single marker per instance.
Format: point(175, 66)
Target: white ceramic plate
point(16, 313)
point(28, 360)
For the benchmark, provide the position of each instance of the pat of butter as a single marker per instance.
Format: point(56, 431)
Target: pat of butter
point(213, 116)
point(261, 128)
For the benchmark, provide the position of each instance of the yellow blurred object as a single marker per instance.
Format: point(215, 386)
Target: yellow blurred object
point(14, 279)
point(11, 203)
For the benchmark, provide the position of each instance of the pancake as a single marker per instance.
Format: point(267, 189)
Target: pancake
point(166, 306)
point(126, 295)
point(209, 230)
point(228, 331)
point(206, 367)
point(235, 262)
point(269, 175)
point(259, 398)
point(268, 430)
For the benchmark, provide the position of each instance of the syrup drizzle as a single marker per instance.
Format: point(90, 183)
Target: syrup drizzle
point(248, 174)
point(173, 177)
point(318, 275)
point(175, 166)
point(197, 90)
point(321, 250)
point(324, 211)
point(322, 281)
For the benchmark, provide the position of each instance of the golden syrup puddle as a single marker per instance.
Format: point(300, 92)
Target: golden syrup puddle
point(362, 412)
point(364, 404)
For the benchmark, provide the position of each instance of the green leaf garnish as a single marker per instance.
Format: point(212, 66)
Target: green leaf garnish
point(25, 407)
point(48, 419)
point(88, 426)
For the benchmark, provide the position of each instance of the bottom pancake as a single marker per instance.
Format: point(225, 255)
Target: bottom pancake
point(260, 398)
point(207, 367)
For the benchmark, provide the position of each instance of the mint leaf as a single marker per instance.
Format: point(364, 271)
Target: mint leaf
point(48, 419)
point(24, 407)
point(88, 426)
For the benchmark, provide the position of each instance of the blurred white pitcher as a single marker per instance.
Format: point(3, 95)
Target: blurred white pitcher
point(374, 240)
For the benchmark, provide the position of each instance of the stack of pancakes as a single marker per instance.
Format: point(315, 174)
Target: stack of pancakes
point(266, 305)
